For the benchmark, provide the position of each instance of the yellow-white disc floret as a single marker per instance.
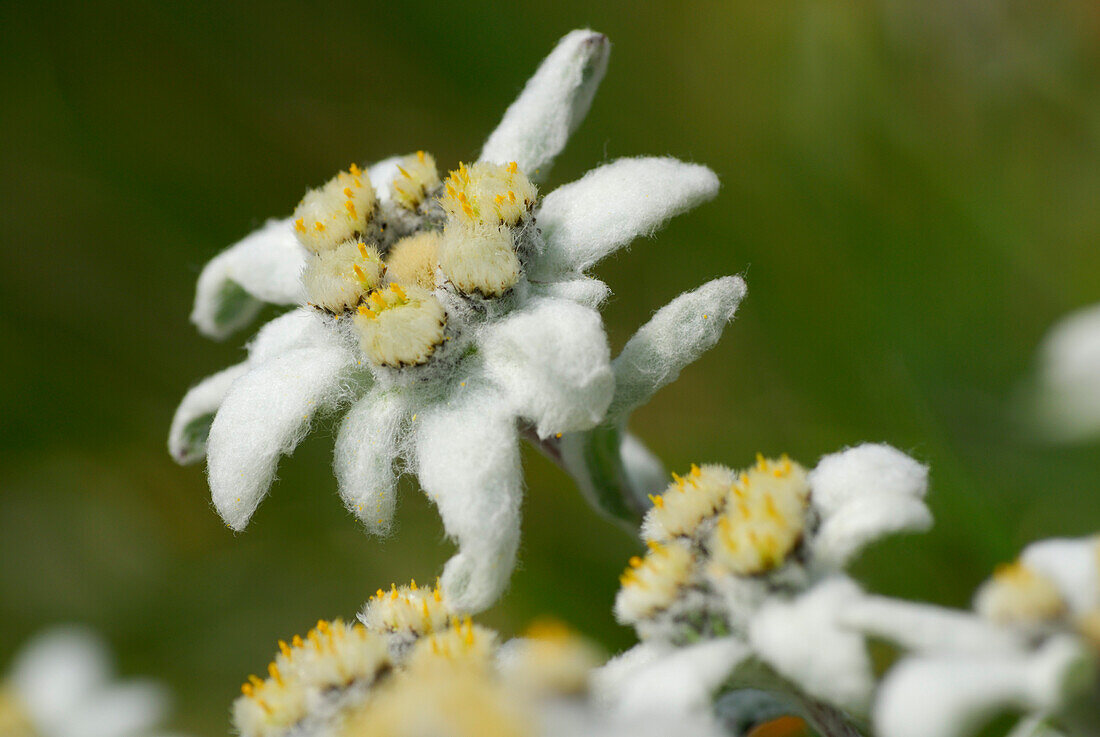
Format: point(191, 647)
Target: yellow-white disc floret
point(551, 658)
point(688, 501)
point(332, 656)
point(461, 641)
point(336, 212)
point(653, 583)
point(416, 178)
point(488, 194)
point(337, 280)
point(400, 327)
point(412, 260)
point(1017, 594)
point(479, 259)
point(764, 519)
point(406, 609)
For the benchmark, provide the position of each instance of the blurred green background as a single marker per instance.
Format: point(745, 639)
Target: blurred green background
point(911, 188)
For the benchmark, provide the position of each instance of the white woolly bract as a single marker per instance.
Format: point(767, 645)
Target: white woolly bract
point(468, 463)
point(382, 174)
point(953, 696)
point(659, 679)
point(674, 337)
point(190, 424)
point(804, 641)
point(583, 290)
point(265, 414)
point(400, 328)
point(553, 360)
point(1068, 401)
point(479, 260)
point(337, 211)
point(63, 680)
point(643, 468)
point(300, 328)
point(337, 279)
point(555, 100)
point(366, 447)
point(926, 628)
point(863, 494)
point(612, 205)
point(412, 260)
point(1073, 565)
point(265, 266)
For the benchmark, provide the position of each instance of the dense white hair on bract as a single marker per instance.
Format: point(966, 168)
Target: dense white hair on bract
point(804, 640)
point(553, 359)
point(555, 100)
point(467, 460)
point(363, 460)
point(678, 334)
point(613, 204)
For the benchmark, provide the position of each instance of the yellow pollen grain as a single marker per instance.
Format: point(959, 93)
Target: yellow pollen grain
point(299, 225)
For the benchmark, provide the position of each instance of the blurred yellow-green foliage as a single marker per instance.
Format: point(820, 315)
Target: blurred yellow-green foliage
point(911, 188)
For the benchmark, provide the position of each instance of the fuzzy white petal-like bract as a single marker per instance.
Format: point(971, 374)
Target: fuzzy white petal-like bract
point(381, 175)
point(468, 463)
point(644, 470)
point(555, 100)
point(553, 360)
point(610, 206)
point(300, 328)
point(675, 336)
point(657, 678)
point(871, 469)
point(366, 448)
point(1068, 382)
point(583, 290)
point(264, 416)
point(926, 628)
point(804, 641)
point(57, 670)
point(265, 266)
point(955, 695)
point(863, 520)
point(1073, 565)
point(191, 423)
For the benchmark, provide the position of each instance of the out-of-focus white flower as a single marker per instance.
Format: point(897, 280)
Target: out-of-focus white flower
point(1031, 645)
point(1067, 399)
point(448, 314)
point(410, 668)
point(61, 685)
point(743, 577)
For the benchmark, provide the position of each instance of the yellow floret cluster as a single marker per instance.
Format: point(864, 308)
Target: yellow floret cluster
point(382, 264)
point(653, 583)
point(1017, 594)
point(409, 609)
point(400, 327)
point(446, 679)
point(709, 524)
point(764, 518)
point(332, 657)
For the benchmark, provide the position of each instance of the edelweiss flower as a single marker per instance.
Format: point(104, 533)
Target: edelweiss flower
point(1031, 645)
point(61, 685)
point(410, 668)
point(742, 577)
point(449, 313)
point(1068, 382)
